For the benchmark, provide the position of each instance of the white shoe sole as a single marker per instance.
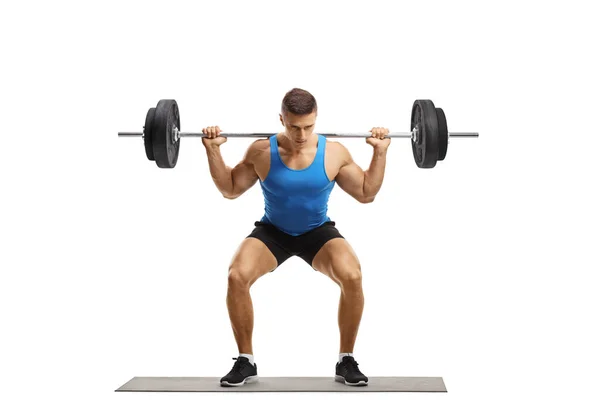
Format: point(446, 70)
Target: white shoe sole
point(343, 380)
point(249, 379)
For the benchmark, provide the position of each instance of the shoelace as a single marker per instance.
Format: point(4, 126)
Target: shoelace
point(352, 365)
point(237, 366)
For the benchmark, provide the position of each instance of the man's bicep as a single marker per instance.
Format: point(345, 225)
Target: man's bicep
point(351, 178)
point(243, 175)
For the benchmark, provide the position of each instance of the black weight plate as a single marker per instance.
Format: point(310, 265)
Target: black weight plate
point(166, 118)
point(425, 148)
point(442, 134)
point(148, 134)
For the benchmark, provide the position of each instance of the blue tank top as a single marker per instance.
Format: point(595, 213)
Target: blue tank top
point(296, 200)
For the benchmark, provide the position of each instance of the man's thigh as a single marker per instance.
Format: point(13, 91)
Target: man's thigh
point(308, 245)
point(337, 260)
point(276, 241)
point(252, 260)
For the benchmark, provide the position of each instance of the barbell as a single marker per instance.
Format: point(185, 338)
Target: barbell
point(429, 134)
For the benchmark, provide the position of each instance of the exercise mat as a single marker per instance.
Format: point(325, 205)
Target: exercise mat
point(283, 384)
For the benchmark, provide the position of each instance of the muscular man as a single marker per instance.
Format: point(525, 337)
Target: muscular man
point(297, 170)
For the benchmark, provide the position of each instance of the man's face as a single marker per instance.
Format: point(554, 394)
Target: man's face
point(298, 128)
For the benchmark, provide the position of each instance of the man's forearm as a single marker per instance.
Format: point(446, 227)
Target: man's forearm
point(221, 173)
point(374, 175)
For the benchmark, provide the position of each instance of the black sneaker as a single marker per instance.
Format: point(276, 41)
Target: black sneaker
point(347, 372)
point(242, 372)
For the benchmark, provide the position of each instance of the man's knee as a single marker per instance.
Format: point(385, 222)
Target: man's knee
point(347, 271)
point(351, 278)
point(240, 276)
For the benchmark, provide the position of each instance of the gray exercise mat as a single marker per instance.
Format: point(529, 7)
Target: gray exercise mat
point(283, 384)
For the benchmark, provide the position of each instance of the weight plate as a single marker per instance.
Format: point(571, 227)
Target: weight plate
point(166, 119)
point(148, 134)
point(425, 147)
point(442, 134)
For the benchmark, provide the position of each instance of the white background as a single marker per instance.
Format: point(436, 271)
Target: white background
point(481, 270)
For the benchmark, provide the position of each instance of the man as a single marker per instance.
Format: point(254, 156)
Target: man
point(297, 170)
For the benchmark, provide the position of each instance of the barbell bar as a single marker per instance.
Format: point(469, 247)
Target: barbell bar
point(429, 134)
point(328, 134)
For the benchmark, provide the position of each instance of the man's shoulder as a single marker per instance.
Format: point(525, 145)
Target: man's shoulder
point(337, 148)
point(258, 149)
point(260, 144)
point(338, 152)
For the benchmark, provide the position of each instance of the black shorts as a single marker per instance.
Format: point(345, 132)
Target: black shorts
point(284, 246)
